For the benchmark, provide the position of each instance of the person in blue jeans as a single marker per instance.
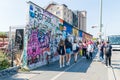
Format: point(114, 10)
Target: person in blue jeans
point(102, 51)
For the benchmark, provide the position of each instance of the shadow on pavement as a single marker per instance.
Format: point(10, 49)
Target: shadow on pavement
point(29, 72)
point(11, 78)
point(82, 65)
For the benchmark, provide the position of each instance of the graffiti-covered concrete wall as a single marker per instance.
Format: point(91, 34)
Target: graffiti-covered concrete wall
point(43, 36)
point(43, 32)
point(86, 37)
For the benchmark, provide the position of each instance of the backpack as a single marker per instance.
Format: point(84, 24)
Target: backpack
point(77, 48)
point(107, 49)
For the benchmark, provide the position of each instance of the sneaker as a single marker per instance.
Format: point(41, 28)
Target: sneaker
point(63, 65)
point(103, 62)
point(108, 66)
point(67, 63)
point(60, 66)
point(75, 61)
point(83, 56)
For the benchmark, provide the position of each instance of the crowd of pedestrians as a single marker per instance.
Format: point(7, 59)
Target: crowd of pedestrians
point(66, 48)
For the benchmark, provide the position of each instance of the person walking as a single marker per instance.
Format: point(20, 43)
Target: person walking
point(75, 50)
point(84, 49)
point(102, 52)
point(108, 53)
point(68, 46)
point(80, 48)
point(99, 50)
point(61, 51)
point(92, 49)
point(89, 50)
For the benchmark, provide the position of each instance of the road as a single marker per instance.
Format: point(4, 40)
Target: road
point(82, 70)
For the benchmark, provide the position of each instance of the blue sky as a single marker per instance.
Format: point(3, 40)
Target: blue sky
point(13, 12)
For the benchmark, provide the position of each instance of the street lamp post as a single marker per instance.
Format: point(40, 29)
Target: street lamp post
point(100, 36)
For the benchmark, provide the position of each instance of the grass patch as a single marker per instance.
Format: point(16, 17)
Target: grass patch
point(4, 63)
point(2, 56)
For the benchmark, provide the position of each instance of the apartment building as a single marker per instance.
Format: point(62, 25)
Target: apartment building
point(61, 11)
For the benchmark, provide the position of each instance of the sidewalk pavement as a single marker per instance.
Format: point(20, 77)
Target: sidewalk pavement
point(114, 71)
point(116, 64)
point(82, 70)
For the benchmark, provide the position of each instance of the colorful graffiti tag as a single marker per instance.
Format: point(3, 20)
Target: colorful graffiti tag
point(42, 34)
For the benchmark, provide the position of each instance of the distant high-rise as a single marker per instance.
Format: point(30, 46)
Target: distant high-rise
point(82, 17)
point(75, 19)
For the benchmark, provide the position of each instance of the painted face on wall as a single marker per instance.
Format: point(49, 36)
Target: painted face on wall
point(41, 36)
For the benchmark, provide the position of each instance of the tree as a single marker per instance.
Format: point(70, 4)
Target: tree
point(3, 36)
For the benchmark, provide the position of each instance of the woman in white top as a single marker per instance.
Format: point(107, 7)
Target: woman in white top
point(75, 50)
point(99, 49)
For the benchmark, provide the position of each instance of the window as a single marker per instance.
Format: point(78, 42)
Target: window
point(58, 12)
point(68, 15)
point(57, 7)
point(65, 19)
point(51, 9)
point(68, 21)
point(64, 13)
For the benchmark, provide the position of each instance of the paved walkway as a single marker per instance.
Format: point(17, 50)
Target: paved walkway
point(116, 64)
point(82, 70)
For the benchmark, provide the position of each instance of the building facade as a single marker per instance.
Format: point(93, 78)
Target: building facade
point(61, 11)
point(82, 17)
point(75, 18)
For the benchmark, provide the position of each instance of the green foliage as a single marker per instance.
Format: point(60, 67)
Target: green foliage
point(4, 64)
point(2, 56)
point(3, 34)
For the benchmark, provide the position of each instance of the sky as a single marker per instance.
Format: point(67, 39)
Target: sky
point(14, 12)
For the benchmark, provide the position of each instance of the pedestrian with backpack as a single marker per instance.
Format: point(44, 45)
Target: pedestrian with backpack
point(75, 50)
point(89, 50)
point(108, 53)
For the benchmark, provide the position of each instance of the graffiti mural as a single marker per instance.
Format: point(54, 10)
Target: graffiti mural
point(43, 34)
point(38, 43)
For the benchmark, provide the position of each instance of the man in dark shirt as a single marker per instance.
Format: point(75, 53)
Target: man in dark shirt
point(108, 53)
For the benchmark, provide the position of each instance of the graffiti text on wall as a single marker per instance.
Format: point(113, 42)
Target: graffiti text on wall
point(42, 34)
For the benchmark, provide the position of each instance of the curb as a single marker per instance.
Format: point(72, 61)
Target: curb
point(9, 71)
point(111, 74)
